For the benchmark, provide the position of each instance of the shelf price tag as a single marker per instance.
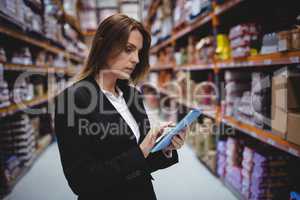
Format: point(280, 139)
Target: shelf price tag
point(268, 62)
point(271, 142)
point(294, 59)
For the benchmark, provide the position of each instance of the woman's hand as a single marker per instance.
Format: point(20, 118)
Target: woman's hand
point(151, 137)
point(177, 141)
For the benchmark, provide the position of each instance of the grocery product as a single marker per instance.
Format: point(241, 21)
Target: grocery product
point(244, 40)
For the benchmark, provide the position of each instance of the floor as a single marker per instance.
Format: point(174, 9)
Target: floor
point(187, 180)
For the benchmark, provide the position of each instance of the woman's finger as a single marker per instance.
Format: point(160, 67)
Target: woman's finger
point(182, 135)
point(168, 124)
point(176, 142)
point(178, 139)
point(170, 147)
point(177, 146)
point(157, 132)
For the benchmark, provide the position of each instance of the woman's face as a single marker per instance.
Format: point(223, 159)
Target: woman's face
point(122, 65)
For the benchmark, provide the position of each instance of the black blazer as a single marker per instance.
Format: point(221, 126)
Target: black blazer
point(100, 156)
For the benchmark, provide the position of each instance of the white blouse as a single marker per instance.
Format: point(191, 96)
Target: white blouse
point(120, 105)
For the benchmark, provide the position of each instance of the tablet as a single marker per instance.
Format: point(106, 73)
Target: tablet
point(167, 138)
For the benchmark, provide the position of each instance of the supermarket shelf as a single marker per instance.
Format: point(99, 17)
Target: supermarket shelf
point(195, 24)
point(194, 67)
point(285, 58)
point(73, 22)
point(42, 44)
point(43, 69)
point(152, 10)
point(89, 33)
point(199, 22)
point(13, 108)
point(162, 67)
point(22, 105)
point(220, 9)
point(68, 18)
point(263, 135)
point(46, 141)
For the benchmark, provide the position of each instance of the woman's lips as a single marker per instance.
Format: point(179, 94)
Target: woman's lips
point(129, 70)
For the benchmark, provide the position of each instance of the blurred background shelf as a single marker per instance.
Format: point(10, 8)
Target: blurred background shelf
point(264, 136)
point(196, 23)
point(39, 43)
point(9, 110)
point(162, 67)
point(43, 69)
point(43, 143)
point(268, 60)
point(209, 111)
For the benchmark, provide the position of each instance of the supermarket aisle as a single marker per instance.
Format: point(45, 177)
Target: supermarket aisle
point(188, 180)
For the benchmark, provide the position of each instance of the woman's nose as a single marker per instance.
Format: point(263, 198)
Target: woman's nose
point(135, 57)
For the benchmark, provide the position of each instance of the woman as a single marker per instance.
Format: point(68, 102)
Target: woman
point(101, 125)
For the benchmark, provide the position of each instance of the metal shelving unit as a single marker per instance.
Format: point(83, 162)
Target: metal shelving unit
point(198, 22)
point(22, 34)
point(268, 60)
point(258, 62)
point(71, 71)
point(44, 44)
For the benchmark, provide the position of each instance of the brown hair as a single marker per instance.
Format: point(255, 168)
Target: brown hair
point(111, 39)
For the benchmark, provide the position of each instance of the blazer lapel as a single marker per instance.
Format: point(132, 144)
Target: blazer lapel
point(108, 106)
point(133, 104)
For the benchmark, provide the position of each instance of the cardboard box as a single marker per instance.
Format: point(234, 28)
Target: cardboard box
point(279, 122)
point(286, 125)
point(293, 134)
point(285, 92)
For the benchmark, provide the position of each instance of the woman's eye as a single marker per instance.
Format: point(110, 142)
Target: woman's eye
point(128, 50)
